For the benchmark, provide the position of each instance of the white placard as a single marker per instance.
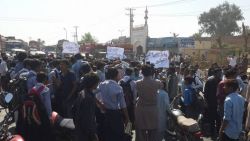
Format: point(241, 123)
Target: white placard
point(70, 47)
point(115, 52)
point(158, 58)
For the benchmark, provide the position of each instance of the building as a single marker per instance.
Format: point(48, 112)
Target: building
point(139, 36)
point(173, 44)
point(13, 43)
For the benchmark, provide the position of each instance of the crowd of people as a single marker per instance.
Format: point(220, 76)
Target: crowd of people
point(106, 97)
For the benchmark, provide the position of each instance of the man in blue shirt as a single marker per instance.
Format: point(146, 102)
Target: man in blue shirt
point(233, 112)
point(111, 95)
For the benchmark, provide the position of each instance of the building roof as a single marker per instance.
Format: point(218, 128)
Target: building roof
point(170, 42)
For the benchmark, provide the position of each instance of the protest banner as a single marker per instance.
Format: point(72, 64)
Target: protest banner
point(70, 47)
point(115, 52)
point(158, 58)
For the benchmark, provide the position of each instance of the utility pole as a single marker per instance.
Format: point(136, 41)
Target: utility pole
point(76, 37)
point(131, 21)
point(245, 36)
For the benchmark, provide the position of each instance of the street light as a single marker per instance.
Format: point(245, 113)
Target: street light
point(121, 30)
point(66, 33)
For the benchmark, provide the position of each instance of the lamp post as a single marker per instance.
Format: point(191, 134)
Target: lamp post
point(121, 30)
point(66, 32)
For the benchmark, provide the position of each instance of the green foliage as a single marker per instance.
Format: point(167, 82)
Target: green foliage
point(88, 38)
point(222, 20)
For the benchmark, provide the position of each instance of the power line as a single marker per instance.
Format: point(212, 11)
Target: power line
point(16, 19)
point(163, 4)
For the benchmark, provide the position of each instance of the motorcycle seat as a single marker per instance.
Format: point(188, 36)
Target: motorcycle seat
point(67, 123)
point(176, 112)
point(189, 124)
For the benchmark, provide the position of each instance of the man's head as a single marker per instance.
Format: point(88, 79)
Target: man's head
point(54, 63)
point(21, 56)
point(217, 72)
point(85, 68)
point(231, 73)
point(64, 65)
point(112, 74)
point(78, 56)
point(230, 86)
point(188, 80)
point(42, 77)
point(90, 81)
point(26, 63)
point(146, 70)
point(35, 65)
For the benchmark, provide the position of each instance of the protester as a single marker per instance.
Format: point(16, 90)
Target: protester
point(188, 96)
point(163, 106)
point(77, 66)
point(234, 105)
point(100, 70)
point(111, 94)
point(85, 107)
point(54, 78)
point(172, 83)
point(66, 94)
point(42, 80)
point(210, 97)
point(146, 111)
point(130, 93)
point(35, 66)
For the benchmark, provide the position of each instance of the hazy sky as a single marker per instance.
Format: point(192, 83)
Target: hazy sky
point(46, 19)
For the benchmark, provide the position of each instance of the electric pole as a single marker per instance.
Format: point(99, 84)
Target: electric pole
point(76, 36)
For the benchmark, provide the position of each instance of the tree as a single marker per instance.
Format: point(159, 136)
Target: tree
point(221, 21)
point(88, 38)
point(197, 36)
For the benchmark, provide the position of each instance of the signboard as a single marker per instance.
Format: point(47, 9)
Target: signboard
point(115, 52)
point(158, 58)
point(70, 47)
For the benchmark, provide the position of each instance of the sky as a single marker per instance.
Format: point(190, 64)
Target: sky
point(105, 19)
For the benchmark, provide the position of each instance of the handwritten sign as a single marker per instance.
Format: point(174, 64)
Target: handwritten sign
point(115, 52)
point(70, 47)
point(158, 58)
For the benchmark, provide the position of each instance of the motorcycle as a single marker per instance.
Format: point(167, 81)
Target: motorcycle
point(63, 128)
point(184, 129)
point(5, 134)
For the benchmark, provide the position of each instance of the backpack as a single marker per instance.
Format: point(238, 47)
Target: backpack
point(32, 107)
point(198, 101)
point(76, 108)
point(128, 94)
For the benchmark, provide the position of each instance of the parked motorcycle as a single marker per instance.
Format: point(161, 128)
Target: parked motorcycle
point(63, 128)
point(184, 129)
point(5, 134)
